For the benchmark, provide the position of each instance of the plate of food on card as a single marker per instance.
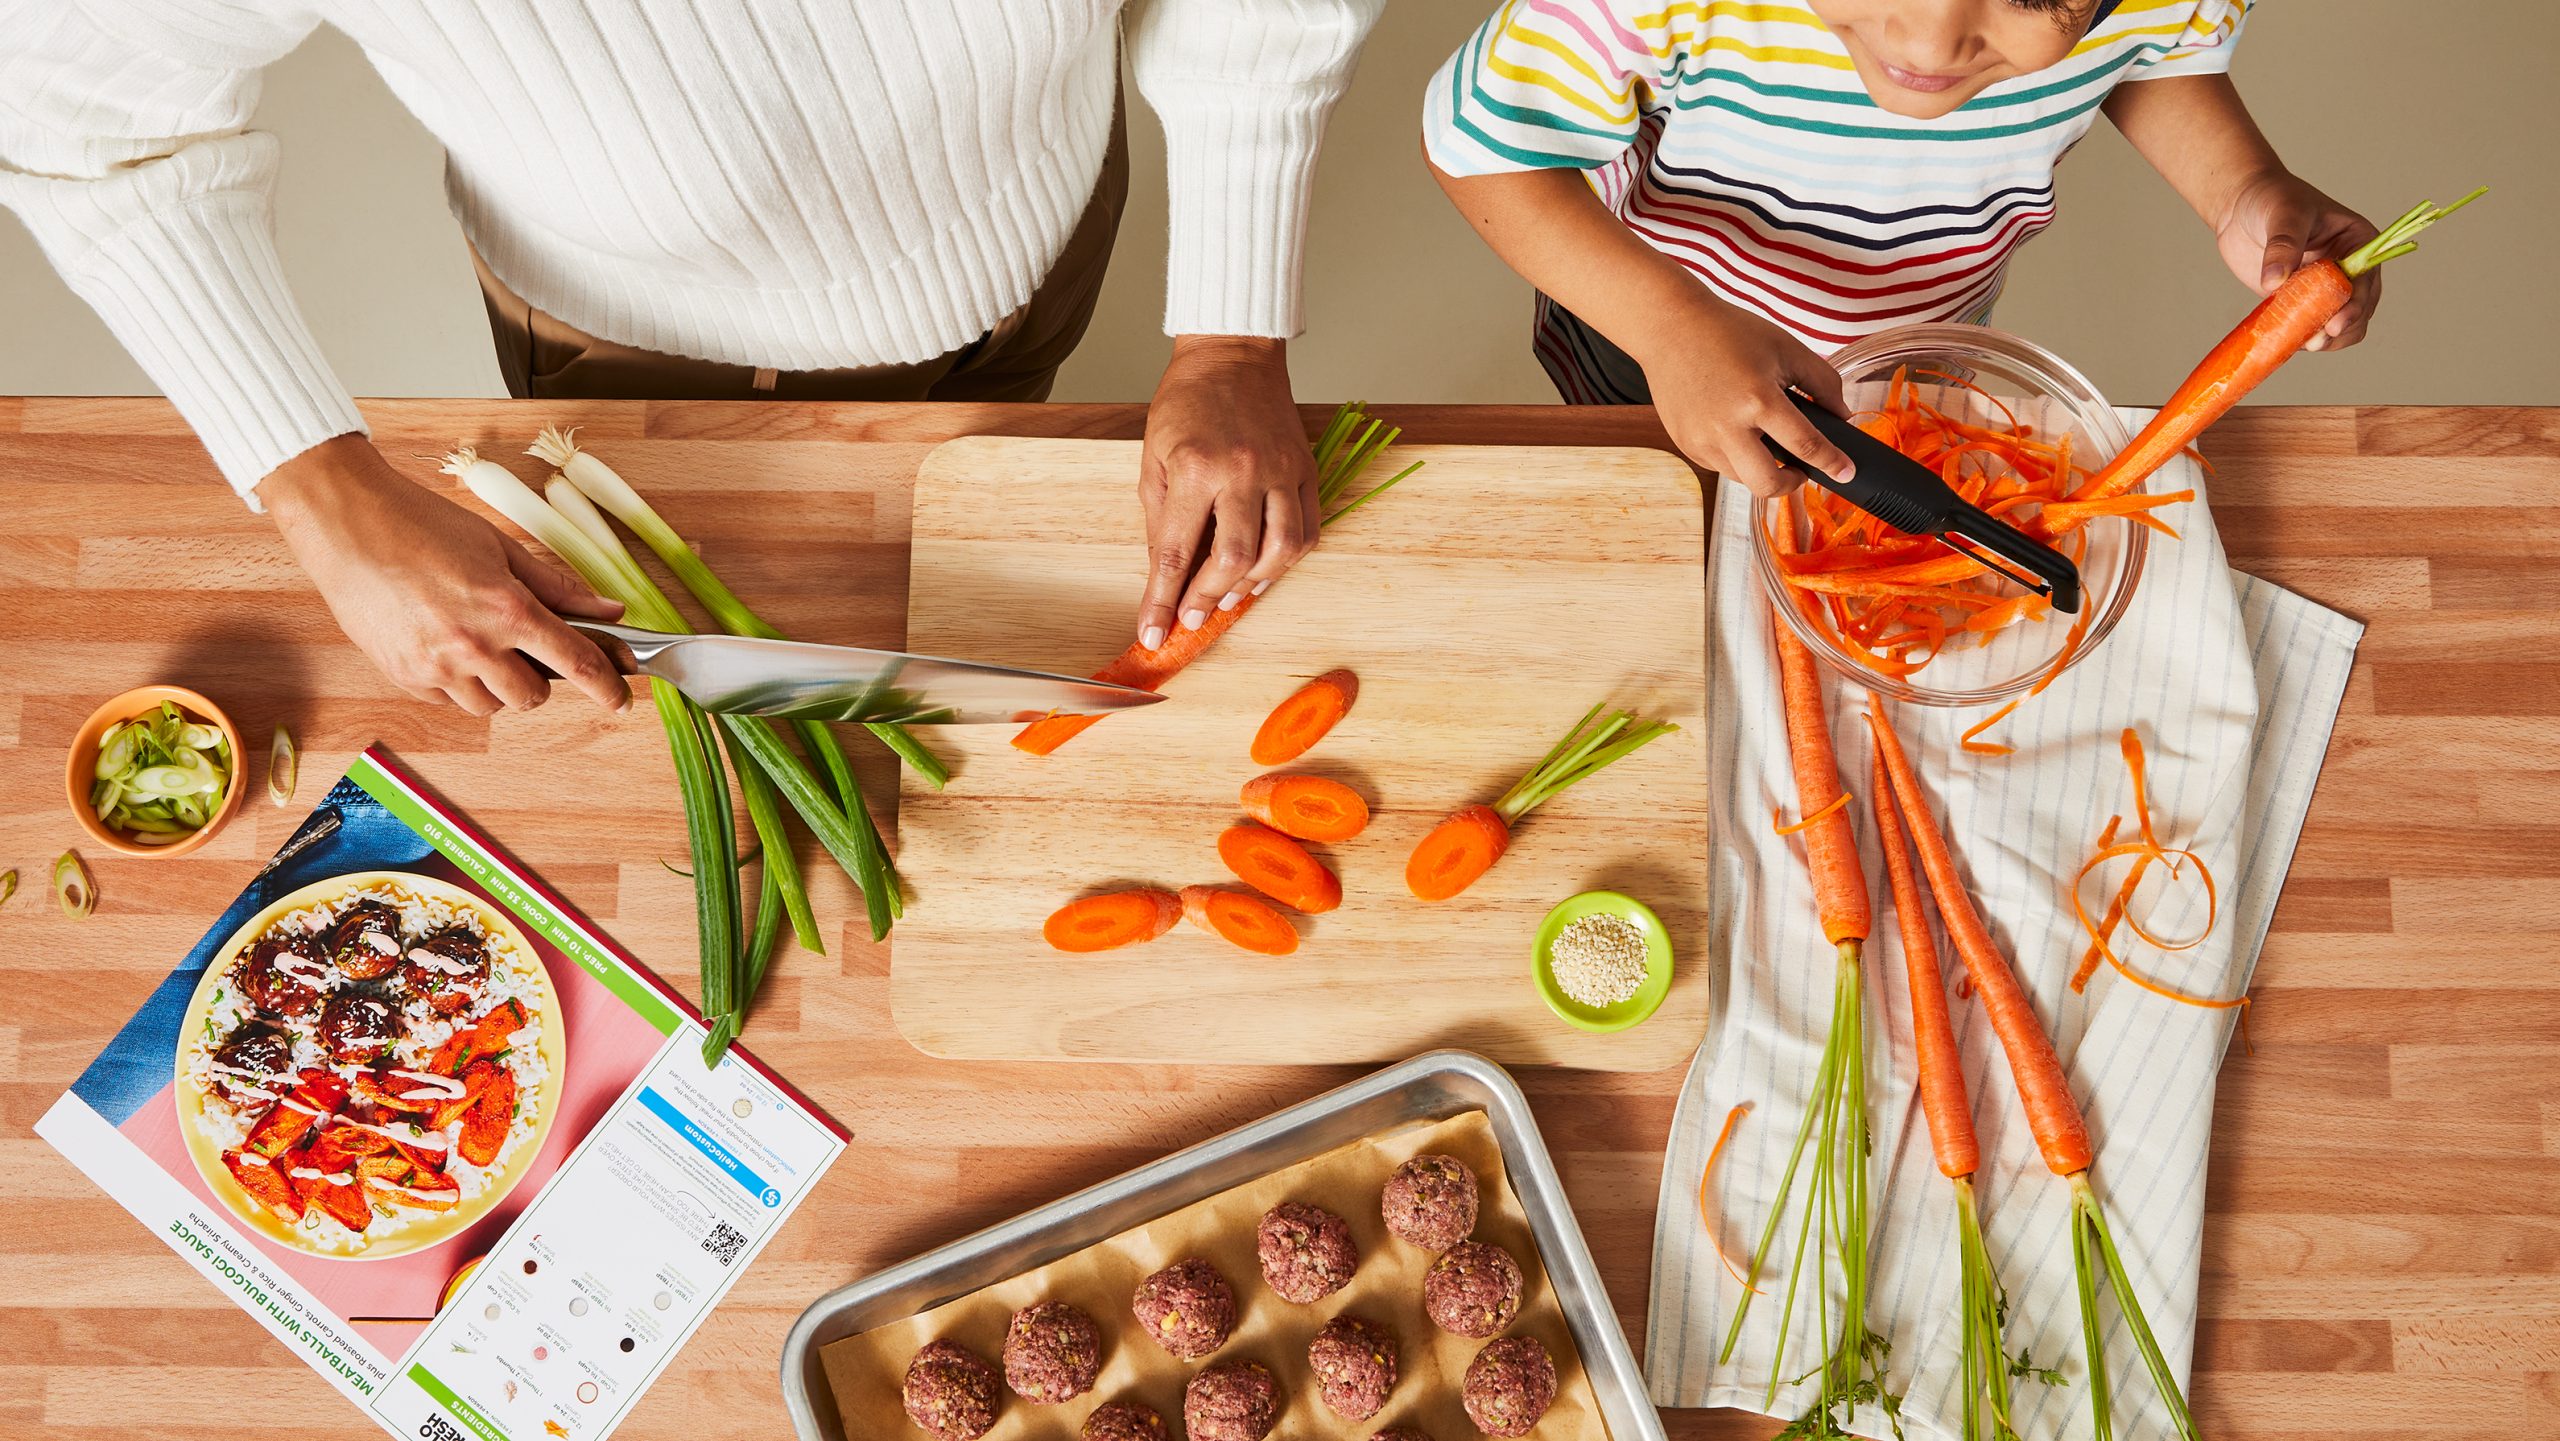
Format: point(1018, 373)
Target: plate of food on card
point(370, 1065)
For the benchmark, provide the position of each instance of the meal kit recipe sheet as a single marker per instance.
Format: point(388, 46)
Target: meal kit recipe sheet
point(437, 1134)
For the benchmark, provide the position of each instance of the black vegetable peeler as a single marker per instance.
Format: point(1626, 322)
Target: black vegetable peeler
point(1904, 494)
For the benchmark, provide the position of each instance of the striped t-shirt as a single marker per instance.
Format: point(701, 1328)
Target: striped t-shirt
point(1737, 138)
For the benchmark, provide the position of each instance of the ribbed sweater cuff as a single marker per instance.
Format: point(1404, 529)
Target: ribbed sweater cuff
point(1239, 170)
point(196, 292)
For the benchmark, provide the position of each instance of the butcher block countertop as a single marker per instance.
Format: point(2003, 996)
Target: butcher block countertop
point(2383, 1250)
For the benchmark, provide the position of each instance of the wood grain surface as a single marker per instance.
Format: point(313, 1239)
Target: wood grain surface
point(2382, 1252)
point(1486, 605)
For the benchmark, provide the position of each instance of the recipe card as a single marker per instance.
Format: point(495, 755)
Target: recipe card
point(437, 1134)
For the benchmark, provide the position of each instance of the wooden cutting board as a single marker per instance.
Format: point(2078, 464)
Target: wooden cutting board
point(1485, 604)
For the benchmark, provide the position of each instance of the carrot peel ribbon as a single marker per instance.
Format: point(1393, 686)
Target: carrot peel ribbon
point(2144, 852)
point(1777, 816)
point(1706, 1213)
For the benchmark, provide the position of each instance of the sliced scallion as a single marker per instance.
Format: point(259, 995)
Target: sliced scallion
point(72, 888)
point(159, 777)
point(284, 767)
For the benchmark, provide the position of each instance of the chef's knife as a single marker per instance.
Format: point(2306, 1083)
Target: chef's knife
point(747, 676)
point(1906, 495)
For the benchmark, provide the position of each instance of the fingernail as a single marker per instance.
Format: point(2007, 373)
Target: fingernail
point(1193, 619)
point(1151, 637)
point(1260, 586)
point(1230, 600)
point(1848, 469)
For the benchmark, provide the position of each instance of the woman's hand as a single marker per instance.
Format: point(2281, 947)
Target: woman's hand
point(2278, 223)
point(435, 597)
point(1719, 377)
point(1227, 478)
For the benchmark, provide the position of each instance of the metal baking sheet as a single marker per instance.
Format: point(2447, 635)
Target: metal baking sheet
point(1427, 1088)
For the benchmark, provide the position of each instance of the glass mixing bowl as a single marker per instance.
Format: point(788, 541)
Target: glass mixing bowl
point(2046, 392)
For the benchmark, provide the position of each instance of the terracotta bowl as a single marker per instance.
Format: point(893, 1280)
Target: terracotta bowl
point(78, 775)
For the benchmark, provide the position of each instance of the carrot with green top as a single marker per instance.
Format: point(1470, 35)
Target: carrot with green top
point(1984, 1363)
point(1833, 1231)
point(1459, 850)
point(2044, 1091)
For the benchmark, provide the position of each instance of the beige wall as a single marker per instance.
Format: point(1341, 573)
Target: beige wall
point(2378, 100)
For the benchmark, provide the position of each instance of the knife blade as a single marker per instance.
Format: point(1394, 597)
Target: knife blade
point(746, 675)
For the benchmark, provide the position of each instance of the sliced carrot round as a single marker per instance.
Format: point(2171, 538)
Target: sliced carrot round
point(1247, 921)
point(1279, 868)
point(1457, 851)
point(1300, 721)
point(1308, 807)
point(1120, 918)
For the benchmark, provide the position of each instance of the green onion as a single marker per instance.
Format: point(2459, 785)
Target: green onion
point(159, 777)
point(284, 767)
point(602, 485)
point(8, 886)
point(710, 828)
point(781, 866)
point(72, 888)
point(856, 846)
point(769, 908)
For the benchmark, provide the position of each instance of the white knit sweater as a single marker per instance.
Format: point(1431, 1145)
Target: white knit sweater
point(792, 183)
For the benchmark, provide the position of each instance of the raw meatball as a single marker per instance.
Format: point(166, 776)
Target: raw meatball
point(365, 940)
point(1120, 1421)
point(1401, 1433)
point(1307, 1252)
point(254, 1066)
point(1187, 1308)
point(282, 975)
point(357, 1027)
point(1052, 1352)
point(446, 970)
point(1355, 1366)
point(951, 1393)
point(1474, 1290)
point(1509, 1385)
point(1431, 1201)
point(1235, 1401)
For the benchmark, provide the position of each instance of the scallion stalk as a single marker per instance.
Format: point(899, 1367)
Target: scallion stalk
point(603, 485)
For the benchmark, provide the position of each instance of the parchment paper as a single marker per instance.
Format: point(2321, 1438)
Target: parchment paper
point(865, 1372)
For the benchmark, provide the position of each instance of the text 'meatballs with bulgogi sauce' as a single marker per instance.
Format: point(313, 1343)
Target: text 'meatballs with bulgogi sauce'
point(1187, 1308)
point(1431, 1202)
point(1355, 1366)
point(950, 1393)
point(1509, 1385)
point(1473, 1290)
point(1121, 1421)
point(1231, 1401)
point(1052, 1353)
point(1306, 1251)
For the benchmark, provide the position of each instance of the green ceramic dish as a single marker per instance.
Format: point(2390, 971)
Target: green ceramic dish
point(1633, 1010)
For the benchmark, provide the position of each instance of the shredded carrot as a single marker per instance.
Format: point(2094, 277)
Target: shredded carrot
point(1971, 746)
point(1706, 1214)
point(2143, 853)
point(1895, 603)
point(1777, 816)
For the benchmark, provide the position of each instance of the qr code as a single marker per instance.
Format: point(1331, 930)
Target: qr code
point(724, 1243)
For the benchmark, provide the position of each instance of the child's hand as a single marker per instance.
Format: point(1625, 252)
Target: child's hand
point(1718, 376)
point(2278, 224)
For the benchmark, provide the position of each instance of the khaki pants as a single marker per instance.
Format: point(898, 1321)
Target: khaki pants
point(545, 358)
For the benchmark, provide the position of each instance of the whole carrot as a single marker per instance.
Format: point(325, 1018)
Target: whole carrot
point(1833, 1227)
point(2053, 1117)
point(1983, 1360)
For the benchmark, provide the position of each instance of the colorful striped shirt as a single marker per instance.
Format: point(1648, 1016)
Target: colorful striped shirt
point(1736, 138)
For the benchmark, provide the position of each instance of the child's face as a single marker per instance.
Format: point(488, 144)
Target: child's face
point(1924, 58)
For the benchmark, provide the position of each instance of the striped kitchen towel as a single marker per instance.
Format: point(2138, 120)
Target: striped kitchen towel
point(2234, 685)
